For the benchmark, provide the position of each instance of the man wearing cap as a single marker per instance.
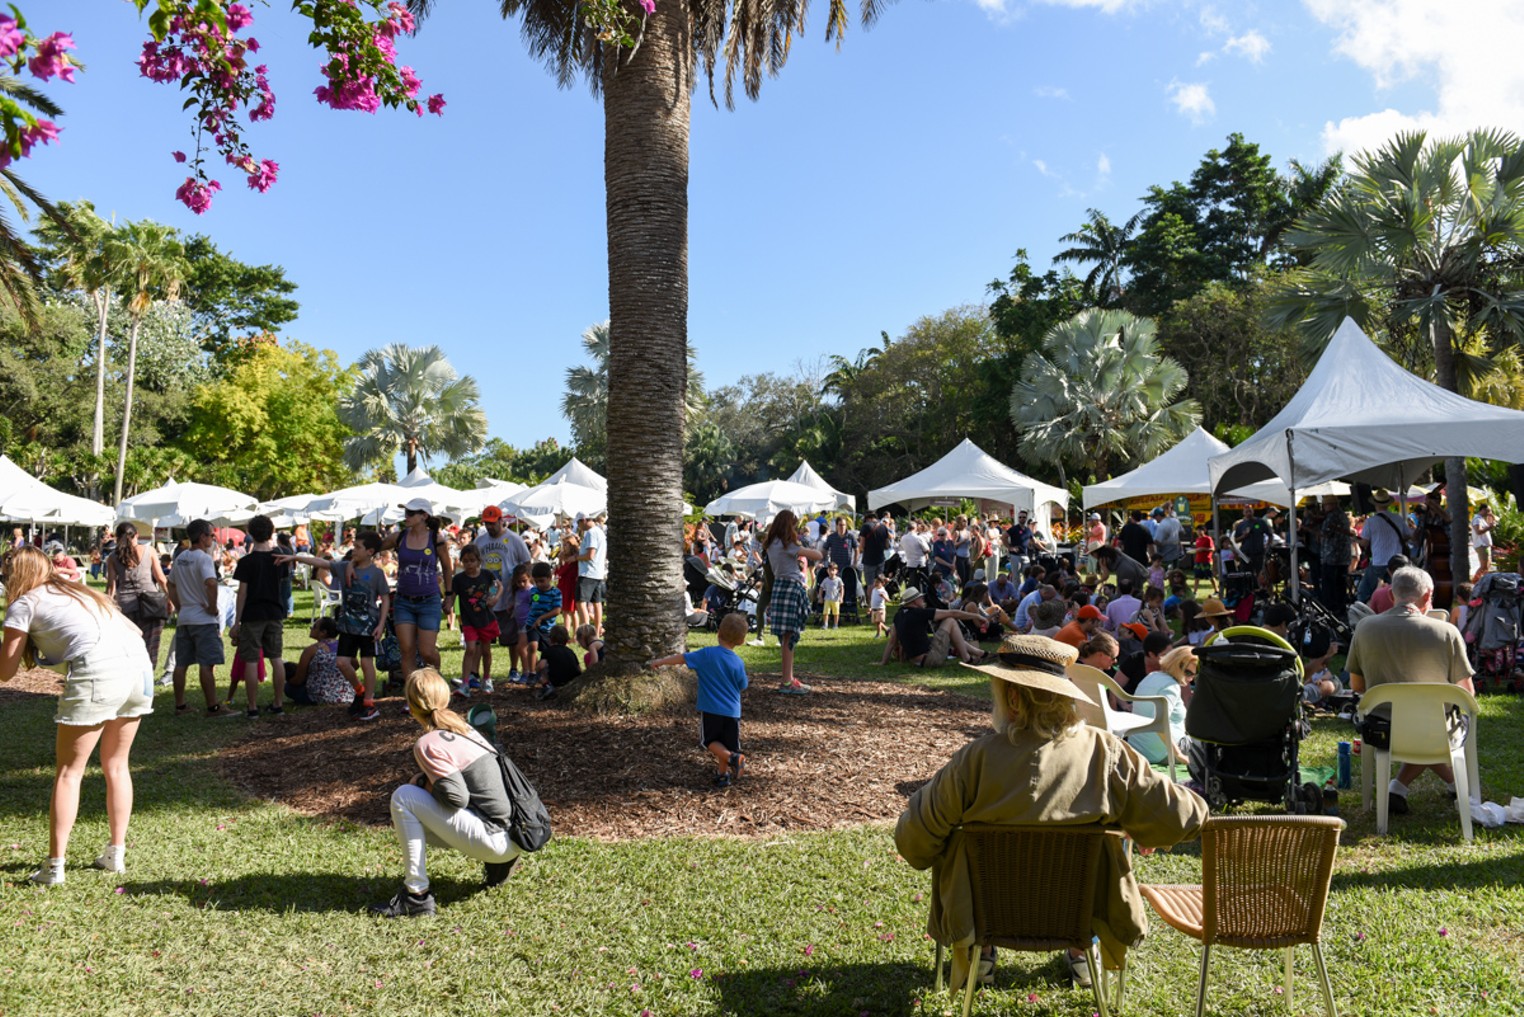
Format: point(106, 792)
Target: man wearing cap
point(1042, 765)
point(502, 551)
point(1386, 534)
point(1095, 534)
point(592, 570)
point(1018, 541)
point(922, 635)
point(1086, 620)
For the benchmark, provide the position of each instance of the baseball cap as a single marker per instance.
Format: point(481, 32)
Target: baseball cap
point(1089, 611)
point(492, 514)
point(418, 505)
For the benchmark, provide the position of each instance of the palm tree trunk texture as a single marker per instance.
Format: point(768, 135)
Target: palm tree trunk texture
point(646, 103)
point(98, 435)
point(132, 370)
point(1456, 494)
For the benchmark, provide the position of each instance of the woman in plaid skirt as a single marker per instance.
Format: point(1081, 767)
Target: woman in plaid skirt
point(789, 607)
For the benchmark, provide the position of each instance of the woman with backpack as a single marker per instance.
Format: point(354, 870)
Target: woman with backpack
point(459, 800)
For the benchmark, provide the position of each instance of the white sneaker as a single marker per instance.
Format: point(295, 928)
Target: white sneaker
point(47, 876)
point(488, 688)
point(756, 642)
point(111, 861)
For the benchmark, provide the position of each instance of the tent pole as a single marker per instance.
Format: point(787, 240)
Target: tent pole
point(1294, 580)
point(1216, 539)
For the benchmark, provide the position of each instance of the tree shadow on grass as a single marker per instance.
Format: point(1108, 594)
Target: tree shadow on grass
point(282, 892)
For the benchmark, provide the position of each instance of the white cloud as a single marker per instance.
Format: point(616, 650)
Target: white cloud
point(1251, 45)
point(1050, 92)
point(1213, 22)
point(1192, 99)
point(1042, 168)
point(1205, 57)
point(1106, 6)
point(1103, 165)
point(1436, 43)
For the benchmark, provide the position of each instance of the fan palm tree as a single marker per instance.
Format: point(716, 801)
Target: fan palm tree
point(78, 245)
point(1429, 232)
point(1100, 394)
point(646, 91)
point(152, 267)
point(410, 400)
point(1104, 246)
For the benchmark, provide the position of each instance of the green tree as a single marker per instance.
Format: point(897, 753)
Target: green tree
point(1429, 234)
point(1027, 304)
point(708, 456)
point(1100, 395)
point(501, 461)
point(409, 401)
point(270, 426)
point(230, 300)
point(152, 268)
point(1104, 246)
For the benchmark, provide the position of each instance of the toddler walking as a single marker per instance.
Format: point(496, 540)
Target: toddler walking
point(721, 679)
point(878, 600)
point(831, 592)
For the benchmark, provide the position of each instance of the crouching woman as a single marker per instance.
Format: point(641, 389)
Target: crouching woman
point(458, 800)
point(1041, 765)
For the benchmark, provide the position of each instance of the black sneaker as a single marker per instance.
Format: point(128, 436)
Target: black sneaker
point(498, 872)
point(252, 714)
point(369, 713)
point(275, 710)
point(1397, 804)
point(358, 706)
point(722, 781)
point(405, 905)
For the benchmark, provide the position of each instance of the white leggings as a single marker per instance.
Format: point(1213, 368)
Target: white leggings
point(421, 819)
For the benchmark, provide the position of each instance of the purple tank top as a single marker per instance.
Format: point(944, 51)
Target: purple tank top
point(417, 570)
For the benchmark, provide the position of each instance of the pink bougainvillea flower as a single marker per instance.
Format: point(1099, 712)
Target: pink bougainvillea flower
point(50, 60)
point(263, 176)
point(197, 197)
point(239, 17)
point(696, 974)
point(11, 37)
point(179, 156)
point(437, 104)
point(649, 6)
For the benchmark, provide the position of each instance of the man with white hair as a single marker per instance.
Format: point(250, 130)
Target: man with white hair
point(1405, 645)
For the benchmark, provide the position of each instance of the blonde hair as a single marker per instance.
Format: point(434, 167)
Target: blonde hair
point(1019, 708)
point(27, 569)
point(1173, 663)
point(428, 700)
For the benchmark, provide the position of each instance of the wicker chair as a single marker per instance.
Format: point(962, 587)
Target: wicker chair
point(1034, 889)
point(1264, 885)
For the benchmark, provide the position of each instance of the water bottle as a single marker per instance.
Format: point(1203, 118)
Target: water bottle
point(1345, 762)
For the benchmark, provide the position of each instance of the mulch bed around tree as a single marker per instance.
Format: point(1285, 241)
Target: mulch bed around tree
point(38, 681)
point(850, 753)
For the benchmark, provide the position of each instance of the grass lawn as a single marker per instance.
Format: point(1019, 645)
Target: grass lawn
point(240, 906)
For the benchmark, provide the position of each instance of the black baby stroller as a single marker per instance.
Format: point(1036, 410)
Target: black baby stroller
point(1245, 722)
point(731, 590)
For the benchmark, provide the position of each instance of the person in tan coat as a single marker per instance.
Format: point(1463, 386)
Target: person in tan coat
point(1042, 765)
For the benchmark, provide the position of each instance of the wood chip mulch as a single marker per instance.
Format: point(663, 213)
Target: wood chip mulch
point(38, 681)
point(849, 753)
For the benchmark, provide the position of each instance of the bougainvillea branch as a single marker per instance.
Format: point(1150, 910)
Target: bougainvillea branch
point(44, 58)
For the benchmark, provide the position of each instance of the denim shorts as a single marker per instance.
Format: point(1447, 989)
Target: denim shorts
point(107, 683)
point(198, 644)
point(425, 612)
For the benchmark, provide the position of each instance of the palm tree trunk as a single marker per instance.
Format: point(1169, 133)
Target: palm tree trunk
point(132, 370)
point(646, 103)
point(98, 435)
point(1456, 481)
point(412, 454)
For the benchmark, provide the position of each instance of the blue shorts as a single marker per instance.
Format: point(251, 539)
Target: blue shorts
point(423, 612)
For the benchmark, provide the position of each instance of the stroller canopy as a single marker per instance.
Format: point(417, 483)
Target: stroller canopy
point(1246, 691)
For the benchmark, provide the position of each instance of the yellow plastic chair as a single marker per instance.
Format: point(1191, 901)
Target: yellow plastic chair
point(1034, 890)
point(1421, 734)
point(1095, 683)
point(1264, 886)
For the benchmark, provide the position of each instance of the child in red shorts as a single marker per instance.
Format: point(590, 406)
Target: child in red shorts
point(477, 590)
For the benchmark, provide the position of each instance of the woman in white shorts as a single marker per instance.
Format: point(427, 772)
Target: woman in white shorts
point(108, 686)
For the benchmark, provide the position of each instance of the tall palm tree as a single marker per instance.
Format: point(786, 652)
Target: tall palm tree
point(646, 92)
point(1103, 245)
point(1429, 233)
point(411, 400)
point(152, 267)
point(1100, 394)
point(79, 246)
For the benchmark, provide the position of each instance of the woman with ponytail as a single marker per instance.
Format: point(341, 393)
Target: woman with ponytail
point(136, 582)
point(108, 687)
point(457, 801)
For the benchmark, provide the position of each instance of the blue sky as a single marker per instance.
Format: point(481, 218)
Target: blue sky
point(868, 187)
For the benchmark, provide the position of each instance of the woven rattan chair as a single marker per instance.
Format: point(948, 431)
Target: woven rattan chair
point(1034, 889)
point(1264, 885)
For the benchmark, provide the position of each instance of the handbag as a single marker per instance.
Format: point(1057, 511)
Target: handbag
point(153, 605)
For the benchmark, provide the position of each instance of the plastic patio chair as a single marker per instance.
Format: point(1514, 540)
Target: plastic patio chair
point(1421, 734)
point(325, 601)
point(1264, 886)
point(1095, 683)
point(1034, 890)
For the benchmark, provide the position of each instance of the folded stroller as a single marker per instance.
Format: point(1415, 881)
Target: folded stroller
point(1245, 722)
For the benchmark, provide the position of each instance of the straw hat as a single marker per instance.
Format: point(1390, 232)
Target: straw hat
point(1036, 662)
point(1381, 497)
point(1213, 607)
point(910, 594)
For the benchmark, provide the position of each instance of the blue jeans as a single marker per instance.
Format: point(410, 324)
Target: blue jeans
point(1369, 581)
point(424, 612)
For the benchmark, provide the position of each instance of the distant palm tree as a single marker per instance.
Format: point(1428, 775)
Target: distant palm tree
point(586, 400)
point(20, 270)
point(1100, 394)
point(1428, 232)
point(410, 400)
point(152, 268)
point(78, 245)
point(1103, 245)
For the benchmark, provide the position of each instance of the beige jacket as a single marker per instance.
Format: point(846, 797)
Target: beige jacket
point(1087, 776)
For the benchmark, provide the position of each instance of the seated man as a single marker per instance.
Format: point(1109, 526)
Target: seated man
point(1405, 645)
point(922, 635)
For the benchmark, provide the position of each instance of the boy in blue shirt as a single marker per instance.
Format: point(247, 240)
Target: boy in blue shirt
point(721, 678)
point(544, 610)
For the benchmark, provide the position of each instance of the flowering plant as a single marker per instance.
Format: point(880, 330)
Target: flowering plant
point(45, 58)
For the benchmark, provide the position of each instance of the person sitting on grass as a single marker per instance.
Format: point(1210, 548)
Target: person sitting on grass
point(316, 679)
point(364, 601)
point(477, 590)
point(587, 638)
point(923, 636)
point(721, 680)
point(458, 800)
point(559, 665)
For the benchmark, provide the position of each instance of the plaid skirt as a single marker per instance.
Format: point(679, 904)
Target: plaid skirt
point(789, 610)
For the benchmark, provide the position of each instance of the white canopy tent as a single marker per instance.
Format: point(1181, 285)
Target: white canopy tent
point(764, 500)
point(176, 504)
point(1361, 417)
point(807, 476)
point(1183, 470)
point(489, 491)
point(577, 472)
point(448, 502)
point(969, 472)
point(24, 498)
point(542, 503)
point(367, 502)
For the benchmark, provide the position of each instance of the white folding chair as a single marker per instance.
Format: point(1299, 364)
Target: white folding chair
point(1096, 684)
